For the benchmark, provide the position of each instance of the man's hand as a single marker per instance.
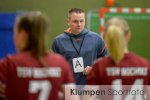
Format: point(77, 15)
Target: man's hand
point(87, 70)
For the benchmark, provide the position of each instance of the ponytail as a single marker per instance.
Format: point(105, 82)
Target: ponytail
point(115, 42)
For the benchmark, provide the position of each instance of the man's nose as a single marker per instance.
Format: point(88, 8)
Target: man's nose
point(79, 23)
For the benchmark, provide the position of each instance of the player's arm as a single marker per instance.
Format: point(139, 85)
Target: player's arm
point(93, 77)
point(68, 82)
point(2, 91)
point(3, 76)
point(148, 86)
point(65, 93)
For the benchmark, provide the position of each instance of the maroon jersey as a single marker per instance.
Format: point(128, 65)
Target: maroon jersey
point(132, 70)
point(26, 79)
point(131, 67)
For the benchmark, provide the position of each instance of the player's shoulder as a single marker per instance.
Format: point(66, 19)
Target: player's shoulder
point(139, 58)
point(11, 58)
point(57, 60)
point(102, 60)
point(55, 56)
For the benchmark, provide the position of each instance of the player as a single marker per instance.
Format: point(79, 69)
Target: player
point(33, 73)
point(121, 67)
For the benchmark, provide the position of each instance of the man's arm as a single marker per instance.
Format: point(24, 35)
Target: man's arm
point(102, 50)
point(55, 46)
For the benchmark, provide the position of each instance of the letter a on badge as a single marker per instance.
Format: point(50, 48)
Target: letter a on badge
point(78, 65)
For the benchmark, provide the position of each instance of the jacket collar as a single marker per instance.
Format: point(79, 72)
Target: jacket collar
point(83, 32)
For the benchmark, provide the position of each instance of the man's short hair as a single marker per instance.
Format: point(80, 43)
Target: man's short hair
point(75, 10)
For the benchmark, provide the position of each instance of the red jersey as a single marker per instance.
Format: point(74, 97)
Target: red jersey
point(132, 70)
point(26, 79)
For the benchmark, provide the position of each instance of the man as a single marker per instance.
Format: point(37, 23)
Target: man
point(79, 45)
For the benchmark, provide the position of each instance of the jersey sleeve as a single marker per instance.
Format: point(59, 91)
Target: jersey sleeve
point(93, 78)
point(67, 73)
point(149, 73)
point(3, 69)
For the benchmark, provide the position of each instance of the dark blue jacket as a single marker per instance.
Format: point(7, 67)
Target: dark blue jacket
point(93, 47)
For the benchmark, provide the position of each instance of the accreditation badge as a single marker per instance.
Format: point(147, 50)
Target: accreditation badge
point(78, 65)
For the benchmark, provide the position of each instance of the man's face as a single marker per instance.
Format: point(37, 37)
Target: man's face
point(76, 22)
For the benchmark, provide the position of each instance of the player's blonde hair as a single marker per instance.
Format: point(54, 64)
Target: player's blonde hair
point(115, 42)
point(118, 21)
point(116, 29)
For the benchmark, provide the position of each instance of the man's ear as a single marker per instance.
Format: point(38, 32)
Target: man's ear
point(68, 21)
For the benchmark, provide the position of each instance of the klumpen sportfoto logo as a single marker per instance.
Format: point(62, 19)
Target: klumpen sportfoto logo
point(107, 92)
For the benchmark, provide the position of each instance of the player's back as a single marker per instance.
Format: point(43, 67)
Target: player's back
point(130, 74)
point(27, 79)
point(130, 69)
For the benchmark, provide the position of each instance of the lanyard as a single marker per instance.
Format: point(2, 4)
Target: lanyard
point(78, 52)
